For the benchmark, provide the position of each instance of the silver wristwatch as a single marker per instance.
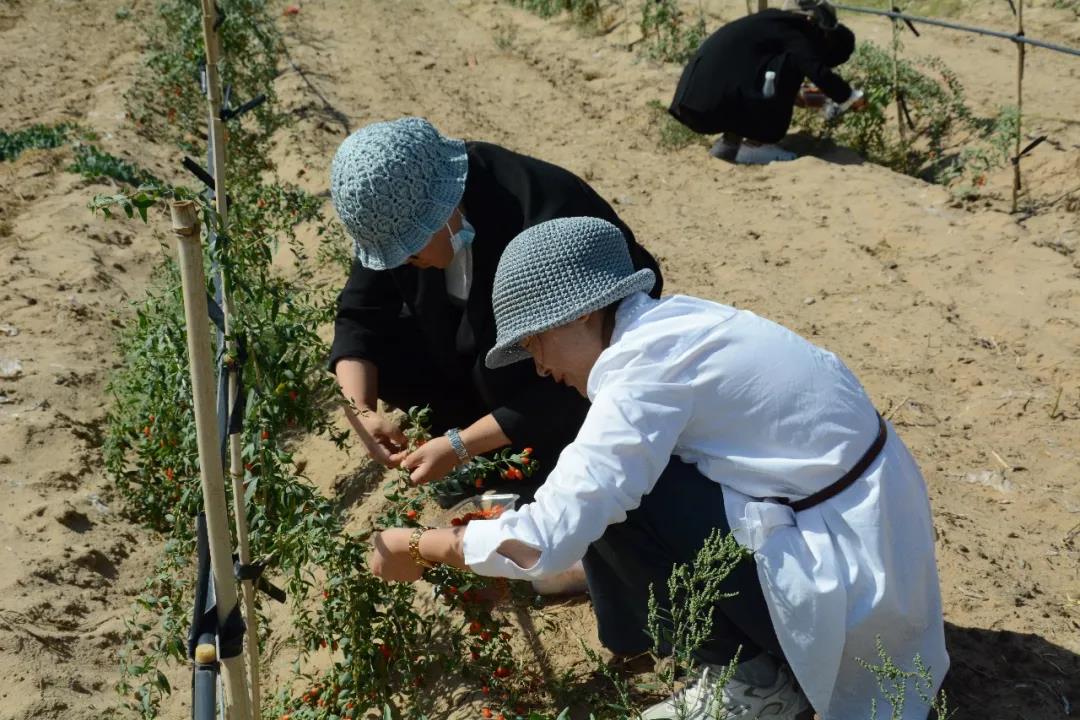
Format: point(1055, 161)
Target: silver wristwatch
point(454, 436)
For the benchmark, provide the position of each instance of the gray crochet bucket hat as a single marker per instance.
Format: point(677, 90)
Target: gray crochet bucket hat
point(554, 273)
point(394, 184)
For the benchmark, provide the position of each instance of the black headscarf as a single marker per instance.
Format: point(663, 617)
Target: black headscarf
point(839, 45)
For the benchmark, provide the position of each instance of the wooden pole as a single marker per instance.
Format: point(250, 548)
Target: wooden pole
point(896, 86)
point(236, 461)
point(185, 223)
point(762, 5)
point(1020, 53)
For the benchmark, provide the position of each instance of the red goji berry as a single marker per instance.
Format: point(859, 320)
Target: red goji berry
point(411, 514)
point(486, 712)
point(265, 435)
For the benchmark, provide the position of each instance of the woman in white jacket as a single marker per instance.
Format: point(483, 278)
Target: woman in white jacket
point(705, 417)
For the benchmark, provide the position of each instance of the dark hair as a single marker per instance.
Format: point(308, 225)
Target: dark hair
point(838, 46)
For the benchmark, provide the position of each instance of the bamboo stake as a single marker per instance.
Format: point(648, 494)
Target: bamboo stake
point(762, 5)
point(236, 462)
point(185, 225)
point(1020, 53)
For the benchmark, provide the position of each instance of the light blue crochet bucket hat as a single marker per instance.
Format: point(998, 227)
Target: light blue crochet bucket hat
point(554, 273)
point(394, 184)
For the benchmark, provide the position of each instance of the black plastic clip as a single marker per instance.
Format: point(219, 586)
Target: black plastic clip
point(254, 571)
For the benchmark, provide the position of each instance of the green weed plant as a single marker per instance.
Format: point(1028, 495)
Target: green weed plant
point(671, 134)
point(668, 36)
point(35, 137)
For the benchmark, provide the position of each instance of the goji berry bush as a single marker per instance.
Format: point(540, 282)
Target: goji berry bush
point(390, 647)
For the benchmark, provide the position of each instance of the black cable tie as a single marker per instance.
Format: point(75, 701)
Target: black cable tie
point(1030, 146)
point(203, 175)
point(1012, 6)
point(1034, 144)
point(907, 22)
point(198, 171)
point(270, 590)
point(904, 109)
point(250, 105)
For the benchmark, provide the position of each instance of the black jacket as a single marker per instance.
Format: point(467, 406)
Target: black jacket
point(721, 87)
point(505, 193)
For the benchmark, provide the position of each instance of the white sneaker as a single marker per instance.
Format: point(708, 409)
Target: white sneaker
point(762, 154)
point(783, 700)
point(725, 150)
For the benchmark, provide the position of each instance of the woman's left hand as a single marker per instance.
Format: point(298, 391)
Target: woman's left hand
point(390, 559)
point(431, 461)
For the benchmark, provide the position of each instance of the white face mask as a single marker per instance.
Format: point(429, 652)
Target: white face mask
point(463, 237)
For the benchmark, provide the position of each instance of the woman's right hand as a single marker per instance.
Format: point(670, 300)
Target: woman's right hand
point(380, 436)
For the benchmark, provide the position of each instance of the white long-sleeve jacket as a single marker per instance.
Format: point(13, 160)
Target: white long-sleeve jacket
point(764, 413)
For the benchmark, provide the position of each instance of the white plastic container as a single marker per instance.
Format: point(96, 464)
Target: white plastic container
point(769, 88)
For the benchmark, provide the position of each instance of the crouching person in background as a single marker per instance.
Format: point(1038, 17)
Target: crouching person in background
point(746, 79)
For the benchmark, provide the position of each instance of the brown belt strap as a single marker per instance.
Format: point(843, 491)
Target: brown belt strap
point(849, 477)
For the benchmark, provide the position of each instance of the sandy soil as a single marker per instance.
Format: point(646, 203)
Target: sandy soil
point(964, 324)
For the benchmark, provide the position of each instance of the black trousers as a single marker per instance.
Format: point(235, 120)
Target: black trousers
point(668, 528)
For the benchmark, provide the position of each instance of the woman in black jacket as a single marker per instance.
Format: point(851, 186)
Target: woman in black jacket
point(429, 217)
point(746, 78)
